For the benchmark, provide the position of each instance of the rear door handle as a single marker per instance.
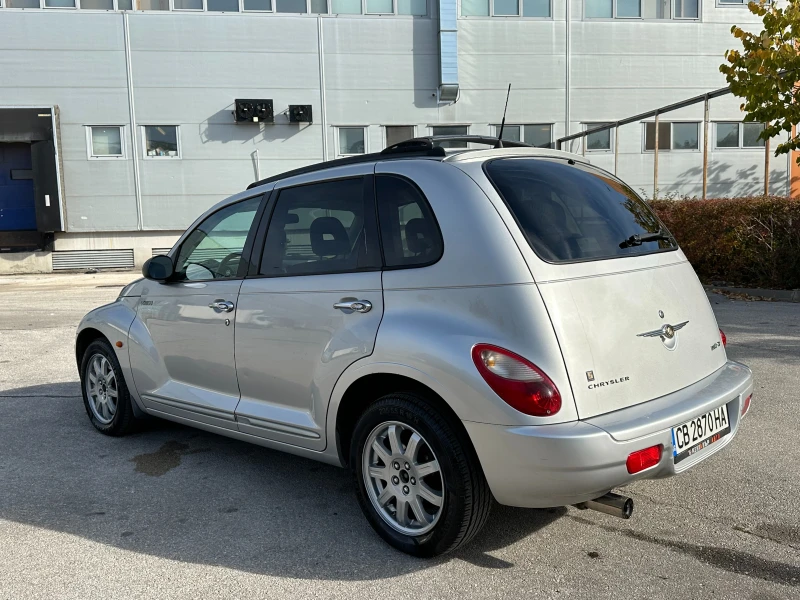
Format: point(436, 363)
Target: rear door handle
point(362, 306)
point(222, 305)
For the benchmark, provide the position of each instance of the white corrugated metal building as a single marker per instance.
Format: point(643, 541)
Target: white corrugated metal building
point(116, 124)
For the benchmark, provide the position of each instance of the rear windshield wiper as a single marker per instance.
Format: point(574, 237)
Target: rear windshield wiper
point(638, 240)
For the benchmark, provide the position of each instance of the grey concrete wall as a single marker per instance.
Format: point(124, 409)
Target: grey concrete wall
point(187, 69)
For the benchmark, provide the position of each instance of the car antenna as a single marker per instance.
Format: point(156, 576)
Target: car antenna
point(503, 122)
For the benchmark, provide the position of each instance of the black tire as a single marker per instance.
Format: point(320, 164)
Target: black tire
point(123, 420)
point(467, 498)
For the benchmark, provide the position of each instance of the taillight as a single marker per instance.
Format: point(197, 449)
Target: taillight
point(644, 459)
point(517, 381)
point(746, 404)
point(723, 338)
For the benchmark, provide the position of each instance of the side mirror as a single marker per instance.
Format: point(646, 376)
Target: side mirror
point(158, 268)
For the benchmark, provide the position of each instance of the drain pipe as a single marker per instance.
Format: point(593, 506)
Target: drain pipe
point(323, 116)
point(134, 143)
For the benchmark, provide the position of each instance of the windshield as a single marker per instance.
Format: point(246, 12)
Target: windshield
point(574, 212)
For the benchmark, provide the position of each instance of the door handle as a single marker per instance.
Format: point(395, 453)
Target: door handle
point(221, 305)
point(362, 306)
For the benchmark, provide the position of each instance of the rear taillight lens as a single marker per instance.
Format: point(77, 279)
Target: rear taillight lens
point(519, 382)
point(746, 404)
point(644, 459)
point(724, 338)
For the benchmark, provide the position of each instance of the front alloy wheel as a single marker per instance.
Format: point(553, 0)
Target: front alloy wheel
point(101, 388)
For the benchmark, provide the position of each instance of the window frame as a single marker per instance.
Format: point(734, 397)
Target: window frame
point(519, 15)
point(364, 128)
point(587, 125)
point(90, 155)
point(740, 145)
point(671, 137)
point(385, 132)
point(671, 18)
point(422, 195)
point(522, 127)
point(370, 222)
point(247, 250)
point(177, 136)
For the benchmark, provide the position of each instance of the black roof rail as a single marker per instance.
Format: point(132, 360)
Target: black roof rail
point(420, 147)
point(353, 160)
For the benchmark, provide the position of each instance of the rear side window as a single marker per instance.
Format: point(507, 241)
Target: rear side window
point(573, 213)
point(410, 234)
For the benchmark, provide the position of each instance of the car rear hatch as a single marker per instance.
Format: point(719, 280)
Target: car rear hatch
point(632, 320)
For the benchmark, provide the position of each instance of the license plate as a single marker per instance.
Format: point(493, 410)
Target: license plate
point(699, 433)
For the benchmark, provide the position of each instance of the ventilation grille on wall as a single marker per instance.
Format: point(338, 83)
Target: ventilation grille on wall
point(161, 251)
point(92, 259)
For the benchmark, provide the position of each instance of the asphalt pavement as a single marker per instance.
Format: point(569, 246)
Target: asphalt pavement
point(173, 512)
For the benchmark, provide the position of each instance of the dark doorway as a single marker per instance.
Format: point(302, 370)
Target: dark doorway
point(17, 210)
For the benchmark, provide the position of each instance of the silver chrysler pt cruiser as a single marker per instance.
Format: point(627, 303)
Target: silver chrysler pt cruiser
point(508, 324)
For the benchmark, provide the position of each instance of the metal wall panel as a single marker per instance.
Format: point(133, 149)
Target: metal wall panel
point(65, 260)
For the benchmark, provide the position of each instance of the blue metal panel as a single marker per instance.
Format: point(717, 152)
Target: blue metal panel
point(17, 211)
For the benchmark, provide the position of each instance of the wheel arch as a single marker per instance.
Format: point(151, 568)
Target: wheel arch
point(86, 337)
point(368, 388)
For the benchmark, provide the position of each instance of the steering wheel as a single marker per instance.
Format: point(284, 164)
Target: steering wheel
point(227, 268)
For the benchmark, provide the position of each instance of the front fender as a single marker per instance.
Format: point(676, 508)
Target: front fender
point(113, 321)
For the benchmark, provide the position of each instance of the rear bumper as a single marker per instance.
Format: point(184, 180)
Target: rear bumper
point(557, 465)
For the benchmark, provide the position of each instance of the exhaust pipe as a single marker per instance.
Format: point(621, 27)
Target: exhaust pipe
point(611, 504)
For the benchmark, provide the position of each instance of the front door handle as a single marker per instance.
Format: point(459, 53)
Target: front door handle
point(222, 305)
point(362, 306)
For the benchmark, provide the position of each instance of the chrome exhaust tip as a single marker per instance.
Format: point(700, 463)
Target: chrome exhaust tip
point(611, 504)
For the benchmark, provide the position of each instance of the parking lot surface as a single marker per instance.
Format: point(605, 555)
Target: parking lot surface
point(173, 512)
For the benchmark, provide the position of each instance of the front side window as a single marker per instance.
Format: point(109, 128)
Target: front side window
point(105, 142)
point(321, 228)
point(161, 141)
point(571, 213)
point(450, 130)
point(351, 141)
point(213, 250)
point(599, 141)
point(409, 231)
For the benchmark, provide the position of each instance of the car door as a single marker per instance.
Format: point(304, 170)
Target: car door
point(181, 351)
point(312, 306)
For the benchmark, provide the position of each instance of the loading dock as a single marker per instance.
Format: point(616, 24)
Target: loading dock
point(30, 187)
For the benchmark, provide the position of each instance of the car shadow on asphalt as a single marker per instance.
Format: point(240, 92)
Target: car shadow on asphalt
point(183, 494)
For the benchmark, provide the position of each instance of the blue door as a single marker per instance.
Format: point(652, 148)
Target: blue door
point(17, 212)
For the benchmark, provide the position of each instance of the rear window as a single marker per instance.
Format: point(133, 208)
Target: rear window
point(574, 212)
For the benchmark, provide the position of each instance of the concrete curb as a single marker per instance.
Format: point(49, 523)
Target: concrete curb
point(779, 295)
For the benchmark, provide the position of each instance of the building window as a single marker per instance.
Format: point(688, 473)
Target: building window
point(412, 7)
point(539, 135)
point(599, 141)
point(379, 7)
point(153, 4)
point(450, 130)
point(185, 4)
point(642, 9)
point(261, 5)
point(399, 133)
point(223, 5)
point(101, 5)
point(671, 136)
point(22, 3)
point(59, 3)
point(739, 135)
point(346, 7)
point(352, 140)
point(105, 141)
point(506, 8)
point(161, 141)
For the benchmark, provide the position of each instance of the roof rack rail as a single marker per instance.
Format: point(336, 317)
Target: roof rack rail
point(420, 146)
point(429, 142)
point(351, 160)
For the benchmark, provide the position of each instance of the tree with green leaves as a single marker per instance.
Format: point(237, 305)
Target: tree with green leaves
point(766, 71)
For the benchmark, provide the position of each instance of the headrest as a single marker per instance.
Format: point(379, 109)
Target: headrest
point(418, 236)
point(328, 237)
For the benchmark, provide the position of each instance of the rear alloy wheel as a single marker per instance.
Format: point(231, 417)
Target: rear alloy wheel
point(417, 477)
point(105, 394)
